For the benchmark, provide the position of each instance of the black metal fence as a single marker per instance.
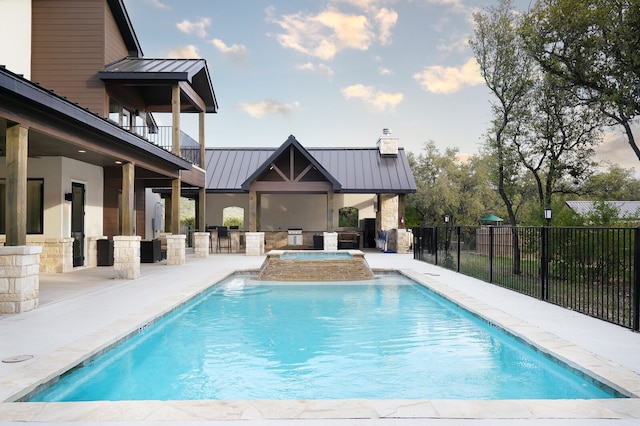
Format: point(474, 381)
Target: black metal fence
point(595, 271)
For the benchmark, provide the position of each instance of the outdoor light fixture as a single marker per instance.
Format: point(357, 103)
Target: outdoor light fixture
point(547, 214)
point(446, 218)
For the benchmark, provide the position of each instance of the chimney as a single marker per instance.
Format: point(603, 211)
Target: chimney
point(387, 144)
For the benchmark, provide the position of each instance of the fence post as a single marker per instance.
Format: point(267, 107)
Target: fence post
point(636, 280)
point(544, 261)
point(490, 254)
point(435, 243)
point(458, 254)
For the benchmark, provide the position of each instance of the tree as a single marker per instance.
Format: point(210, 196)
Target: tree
point(615, 184)
point(593, 46)
point(508, 73)
point(557, 143)
point(448, 186)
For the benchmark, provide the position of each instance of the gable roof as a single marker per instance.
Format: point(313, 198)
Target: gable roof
point(357, 170)
point(626, 209)
point(289, 143)
point(150, 74)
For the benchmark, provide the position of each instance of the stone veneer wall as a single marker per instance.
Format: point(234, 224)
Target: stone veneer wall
point(201, 241)
point(126, 256)
point(19, 280)
point(177, 249)
point(389, 211)
point(56, 255)
point(275, 268)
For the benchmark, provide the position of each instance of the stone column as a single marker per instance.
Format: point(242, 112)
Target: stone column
point(255, 243)
point(126, 256)
point(330, 240)
point(389, 211)
point(201, 244)
point(176, 249)
point(19, 279)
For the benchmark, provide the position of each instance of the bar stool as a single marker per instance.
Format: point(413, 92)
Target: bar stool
point(223, 233)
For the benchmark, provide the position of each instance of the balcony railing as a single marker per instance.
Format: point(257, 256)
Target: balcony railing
point(161, 136)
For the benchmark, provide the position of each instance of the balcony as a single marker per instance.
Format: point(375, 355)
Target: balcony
point(161, 136)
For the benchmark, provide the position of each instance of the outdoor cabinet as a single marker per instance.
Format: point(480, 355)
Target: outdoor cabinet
point(105, 252)
point(150, 251)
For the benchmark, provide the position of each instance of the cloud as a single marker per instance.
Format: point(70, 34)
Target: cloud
point(325, 34)
point(197, 28)
point(445, 80)
point(159, 4)
point(384, 71)
point(615, 149)
point(237, 52)
point(260, 109)
point(321, 69)
point(185, 52)
point(386, 20)
point(373, 97)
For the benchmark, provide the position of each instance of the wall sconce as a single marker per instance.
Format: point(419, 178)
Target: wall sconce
point(68, 196)
point(547, 215)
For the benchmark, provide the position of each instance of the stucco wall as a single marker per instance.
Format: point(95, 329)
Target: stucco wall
point(93, 179)
point(283, 211)
point(16, 27)
point(58, 174)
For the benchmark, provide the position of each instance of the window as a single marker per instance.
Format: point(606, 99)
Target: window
point(348, 217)
point(232, 217)
point(35, 206)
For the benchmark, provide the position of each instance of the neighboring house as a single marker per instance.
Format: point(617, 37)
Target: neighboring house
point(627, 210)
point(292, 187)
point(80, 142)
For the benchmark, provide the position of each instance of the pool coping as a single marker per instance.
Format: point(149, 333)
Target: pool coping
point(25, 380)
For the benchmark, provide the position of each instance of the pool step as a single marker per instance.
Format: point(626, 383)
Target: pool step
point(349, 269)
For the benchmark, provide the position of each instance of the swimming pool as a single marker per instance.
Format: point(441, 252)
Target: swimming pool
point(311, 341)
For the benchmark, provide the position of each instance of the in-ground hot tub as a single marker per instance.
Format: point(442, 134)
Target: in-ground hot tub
point(303, 265)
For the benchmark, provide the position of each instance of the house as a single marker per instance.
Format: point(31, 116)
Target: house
point(304, 190)
point(626, 210)
point(80, 143)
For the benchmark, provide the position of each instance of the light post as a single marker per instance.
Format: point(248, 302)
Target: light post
point(547, 215)
point(446, 219)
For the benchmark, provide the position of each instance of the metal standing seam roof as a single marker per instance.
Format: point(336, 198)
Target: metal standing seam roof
point(193, 71)
point(358, 170)
point(626, 209)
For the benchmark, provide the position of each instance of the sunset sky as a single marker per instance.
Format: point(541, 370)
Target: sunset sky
point(332, 72)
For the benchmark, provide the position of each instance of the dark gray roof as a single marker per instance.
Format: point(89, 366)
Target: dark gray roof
point(358, 170)
point(157, 71)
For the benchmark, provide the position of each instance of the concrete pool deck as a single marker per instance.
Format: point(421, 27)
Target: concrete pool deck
point(87, 310)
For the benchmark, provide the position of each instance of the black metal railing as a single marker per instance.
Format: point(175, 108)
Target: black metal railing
point(595, 271)
point(162, 136)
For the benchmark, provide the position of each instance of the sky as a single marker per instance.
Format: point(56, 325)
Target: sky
point(334, 72)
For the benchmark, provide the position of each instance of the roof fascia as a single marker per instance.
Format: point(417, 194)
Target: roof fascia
point(32, 94)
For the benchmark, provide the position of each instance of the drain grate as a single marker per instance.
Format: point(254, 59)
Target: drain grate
point(17, 358)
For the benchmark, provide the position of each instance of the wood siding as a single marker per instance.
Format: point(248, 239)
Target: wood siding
point(71, 41)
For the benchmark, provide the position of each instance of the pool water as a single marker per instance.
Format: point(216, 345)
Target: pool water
point(315, 255)
point(388, 338)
